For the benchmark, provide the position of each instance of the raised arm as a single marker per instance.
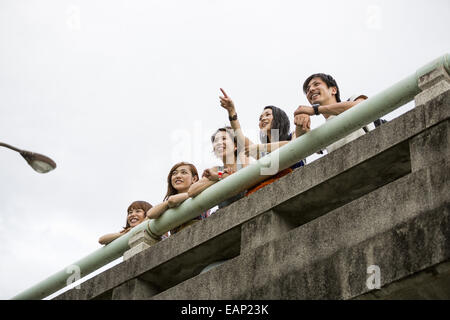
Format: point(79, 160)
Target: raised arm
point(228, 105)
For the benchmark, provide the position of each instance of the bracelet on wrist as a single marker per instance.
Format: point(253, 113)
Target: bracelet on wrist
point(232, 118)
point(316, 108)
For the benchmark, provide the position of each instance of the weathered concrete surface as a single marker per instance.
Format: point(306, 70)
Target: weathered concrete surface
point(403, 227)
point(382, 199)
point(264, 228)
point(134, 289)
point(138, 243)
point(432, 84)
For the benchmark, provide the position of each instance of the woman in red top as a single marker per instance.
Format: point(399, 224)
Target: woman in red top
point(274, 129)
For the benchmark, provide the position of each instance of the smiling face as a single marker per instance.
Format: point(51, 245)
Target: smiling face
point(223, 146)
point(265, 119)
point(317, 91)
point(135, 217)
point(182, 178)
point(134, 212)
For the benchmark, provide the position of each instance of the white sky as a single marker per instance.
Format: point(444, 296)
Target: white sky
point(116, 92)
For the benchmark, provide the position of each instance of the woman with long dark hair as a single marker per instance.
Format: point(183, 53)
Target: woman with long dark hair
point(274, 128)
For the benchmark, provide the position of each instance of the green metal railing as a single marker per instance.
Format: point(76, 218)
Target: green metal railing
point(365, 112)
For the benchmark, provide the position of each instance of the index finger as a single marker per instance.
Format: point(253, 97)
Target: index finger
point(225, 95)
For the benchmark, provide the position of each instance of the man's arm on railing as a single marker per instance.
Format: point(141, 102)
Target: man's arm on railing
point(331, 109)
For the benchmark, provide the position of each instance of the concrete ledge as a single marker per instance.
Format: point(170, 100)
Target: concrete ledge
point(138, 243)
point(403, 227)
point(358, 170)
point(134, 289)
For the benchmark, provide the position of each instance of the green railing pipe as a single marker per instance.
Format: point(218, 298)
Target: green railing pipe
point(315, 140)
point(86, 265)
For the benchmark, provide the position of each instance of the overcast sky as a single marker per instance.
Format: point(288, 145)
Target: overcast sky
point(116, 92)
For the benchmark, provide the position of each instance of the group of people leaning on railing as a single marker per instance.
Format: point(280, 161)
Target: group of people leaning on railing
point(234, 150)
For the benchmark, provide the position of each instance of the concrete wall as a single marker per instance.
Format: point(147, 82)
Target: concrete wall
point(381, 200)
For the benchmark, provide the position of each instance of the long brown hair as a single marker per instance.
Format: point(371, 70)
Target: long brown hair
point(138, 205)
point(170, 189)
